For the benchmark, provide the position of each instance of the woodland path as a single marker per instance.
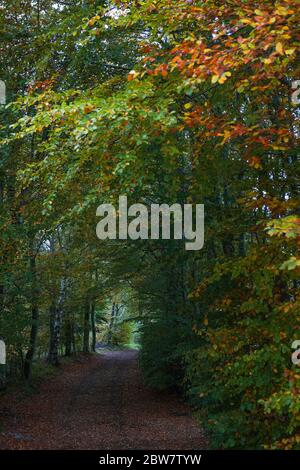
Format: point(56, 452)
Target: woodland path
point(98, 402)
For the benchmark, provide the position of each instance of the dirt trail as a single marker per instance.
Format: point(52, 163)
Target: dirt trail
point(98, 403)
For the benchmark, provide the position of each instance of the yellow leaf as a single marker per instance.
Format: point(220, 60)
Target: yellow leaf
point(279, 48)
point(222, 79)
point(282, 11)
point(290, 51)
point(226, 136)
point(215, 78)
point(188, 105)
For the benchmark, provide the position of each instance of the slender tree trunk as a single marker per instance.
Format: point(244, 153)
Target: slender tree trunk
point(93, 322)
point(111, 323)
point(56, 314)
point(2, 346)
point(2, 366)
point(51, 324)
point(69, 332)
point(34, 319)
point(73, 342)
point(86, 328)
point(2, 376)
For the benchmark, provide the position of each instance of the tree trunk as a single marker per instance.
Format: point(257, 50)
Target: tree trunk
point(56, 313)
point(34, 319)
point(111, 323)
point(2, 260)
point(73, 342)
point(86, 328)
point(93, 321)
point(69, 334)
point(2, 376)
point(2, 365)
